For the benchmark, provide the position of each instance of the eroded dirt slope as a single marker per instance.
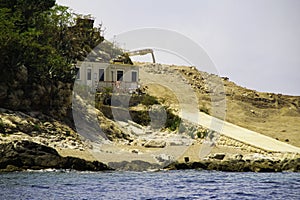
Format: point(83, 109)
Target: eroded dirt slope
point(274, 115)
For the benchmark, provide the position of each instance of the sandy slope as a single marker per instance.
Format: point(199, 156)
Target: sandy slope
point(173, 82)
point(274, 115)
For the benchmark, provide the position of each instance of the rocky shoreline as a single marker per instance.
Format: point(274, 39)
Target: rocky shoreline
point(260, 165)
point(227, 165)
point(20, 155)
point(25, 155)
point(34, 141)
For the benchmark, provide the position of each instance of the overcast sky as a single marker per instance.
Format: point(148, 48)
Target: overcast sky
point(256, 43)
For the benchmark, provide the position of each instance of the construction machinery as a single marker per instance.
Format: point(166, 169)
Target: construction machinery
point(125, 57)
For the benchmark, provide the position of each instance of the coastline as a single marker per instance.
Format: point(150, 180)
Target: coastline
point(63, 143)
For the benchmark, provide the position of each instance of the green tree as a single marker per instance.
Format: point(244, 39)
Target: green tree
point(23, 39)
point(42, 37)
point(44, 40)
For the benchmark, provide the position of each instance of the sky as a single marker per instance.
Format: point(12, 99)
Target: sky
point(255, 43)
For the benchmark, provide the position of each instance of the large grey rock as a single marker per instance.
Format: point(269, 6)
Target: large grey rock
point(217, 156)
point(155, 144)
point(22, 155)
point(165, 159)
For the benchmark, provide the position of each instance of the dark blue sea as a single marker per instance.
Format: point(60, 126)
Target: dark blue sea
point(189, 184)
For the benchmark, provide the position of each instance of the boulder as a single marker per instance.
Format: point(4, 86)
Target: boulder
point(165, 159)
point(155, 144)
point(234, 157)
point(23, 155)
point(217, 156)
point(176, 143)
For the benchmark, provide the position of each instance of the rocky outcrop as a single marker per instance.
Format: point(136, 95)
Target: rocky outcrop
point(135, 165)
point(23, 155)
point(92, 124)
point(157, 68)
point(218, 156)
point(39, 128)
point(239, 165)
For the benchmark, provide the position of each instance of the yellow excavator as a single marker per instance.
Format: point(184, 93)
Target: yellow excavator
point(125, 57)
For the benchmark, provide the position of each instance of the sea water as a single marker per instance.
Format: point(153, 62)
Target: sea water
point(185, 184)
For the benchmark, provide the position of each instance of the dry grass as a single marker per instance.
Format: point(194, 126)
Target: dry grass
point(274, 115)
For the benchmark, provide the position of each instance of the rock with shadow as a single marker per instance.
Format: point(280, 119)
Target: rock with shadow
point(239, 165)
point(135, 165)
point(23, 155)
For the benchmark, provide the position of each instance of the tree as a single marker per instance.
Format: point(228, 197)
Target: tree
point(22, 39)
point(44, 40)
point(42, 37)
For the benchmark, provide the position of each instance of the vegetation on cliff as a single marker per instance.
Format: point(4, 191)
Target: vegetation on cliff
point(143, 109)
point(39, 42)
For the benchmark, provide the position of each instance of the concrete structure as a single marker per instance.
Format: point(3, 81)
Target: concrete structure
point(120, 77)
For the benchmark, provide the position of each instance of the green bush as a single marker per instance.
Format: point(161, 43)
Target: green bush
point(148, 100)
point(36, 127)
point(140, 117)
point(173, 121)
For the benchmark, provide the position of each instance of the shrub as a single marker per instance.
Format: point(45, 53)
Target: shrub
point(36, 127)
point(148, 100)
point(140, 117)
point(173, 121)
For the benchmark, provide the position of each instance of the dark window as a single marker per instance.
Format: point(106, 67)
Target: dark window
point(119, 75)
point(134, 76)
point(101, 74)
point(89, 74)
point(78, 73)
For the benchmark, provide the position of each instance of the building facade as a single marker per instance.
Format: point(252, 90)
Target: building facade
point(98, 76)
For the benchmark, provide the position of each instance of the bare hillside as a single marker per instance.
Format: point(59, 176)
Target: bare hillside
point(274, 115)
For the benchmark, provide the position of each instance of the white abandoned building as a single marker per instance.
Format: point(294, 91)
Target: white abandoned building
point(97, 75)
point(120, 74)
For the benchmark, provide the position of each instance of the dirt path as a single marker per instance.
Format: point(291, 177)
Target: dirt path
point(188, 109)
